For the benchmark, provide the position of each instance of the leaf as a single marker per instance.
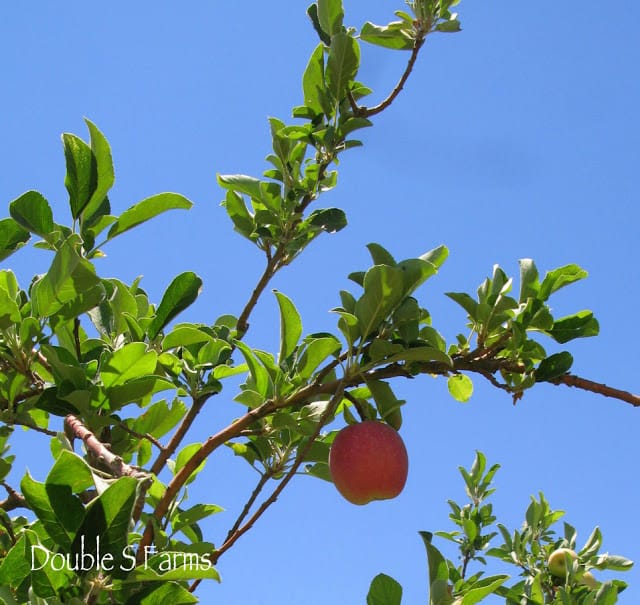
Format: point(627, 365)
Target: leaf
point(554, 366)
point(579, 325)
point(313, 87)
point(482, 589)
point(106, 523)
point(383, 291)
point(9, 310)
point(290, 326)
point(185, 454)
point(242, 219)
point(105, 175)
point(438, 571)
point(312, 12)
point(380, 255)
point(261, 379)
point(193, 567)
point(387, 36)
point(460, 387)
point(68, 278)
point(32, 211)
point(60, 529)
point(147, 209)
point(384, 590)
point(330, 220)
point(12, 237)
point(180, 294)
point(342, 64)
point(82, 173)
point(193, 515)
point(315, 352)
point(421, 354)
point(466, 302)
point(529, 284)
point(330, 16)
point(130, 362)
point(559, 278)
point(71, 471)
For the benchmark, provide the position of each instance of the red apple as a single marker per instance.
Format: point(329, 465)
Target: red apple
point(368, 461)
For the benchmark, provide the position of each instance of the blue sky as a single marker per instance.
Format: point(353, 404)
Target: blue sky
point(517, 138)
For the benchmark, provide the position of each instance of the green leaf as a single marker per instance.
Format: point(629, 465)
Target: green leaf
point(193, 515)
point(380, 255)
point(438, 571)
point(60, 520)
point(105, 175)
point(71, 471)
point(554, 366)
point(12, 237)
point(383, 291)
point(388, 36)
point(262, 382)
point(384, 590)
point(15, 567)
point(559, 278)
point(191, 566)
point(242, 219)
point(32, 211)
point(181, 293)
point(529, 284)
point(290, 326)
point(387, 404)
point(315, 352)
point(342, 64)
point(106, 523)
point(482, 589)
point(312, 12)
point(132, 361)
point(147, 209)
point(460, 387)
point(67, 279)
point(9, 310)
point(421, 354)
point(46, 581)
point(185, 454)
point(579, 325)
point(313, 87)
point(330, 16)
point(466, 302)
point(81, 179)
point(330, 220)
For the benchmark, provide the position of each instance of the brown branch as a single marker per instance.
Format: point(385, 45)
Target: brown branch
point(300, 456)
point(99, 450)
point(572, 380)
point(212, 443)
point(14, 499)
point(366, 112)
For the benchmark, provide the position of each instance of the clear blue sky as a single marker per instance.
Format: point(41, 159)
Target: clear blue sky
point(516, 138)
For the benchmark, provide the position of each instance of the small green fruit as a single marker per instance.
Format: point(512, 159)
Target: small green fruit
point(368, 461)
point(589, 580)
point(557, 561)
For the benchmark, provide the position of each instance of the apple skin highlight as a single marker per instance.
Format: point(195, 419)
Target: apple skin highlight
point(368, 461)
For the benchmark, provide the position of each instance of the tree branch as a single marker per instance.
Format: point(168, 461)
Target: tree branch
point(571, 380)
point(100, 451)
point(367, 112)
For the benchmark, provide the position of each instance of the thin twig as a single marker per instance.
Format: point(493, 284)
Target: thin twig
point(14, 499)
point(367, 112)
point(141, 436)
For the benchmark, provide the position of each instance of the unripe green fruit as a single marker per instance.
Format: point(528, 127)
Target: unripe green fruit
point(557, 562)
point(368, 461)
point(589, 580)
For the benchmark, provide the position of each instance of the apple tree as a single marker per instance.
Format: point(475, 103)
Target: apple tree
point(111, 383)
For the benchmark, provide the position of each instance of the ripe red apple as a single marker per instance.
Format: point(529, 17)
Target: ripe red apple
point(558, 563)
point(368, 461)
